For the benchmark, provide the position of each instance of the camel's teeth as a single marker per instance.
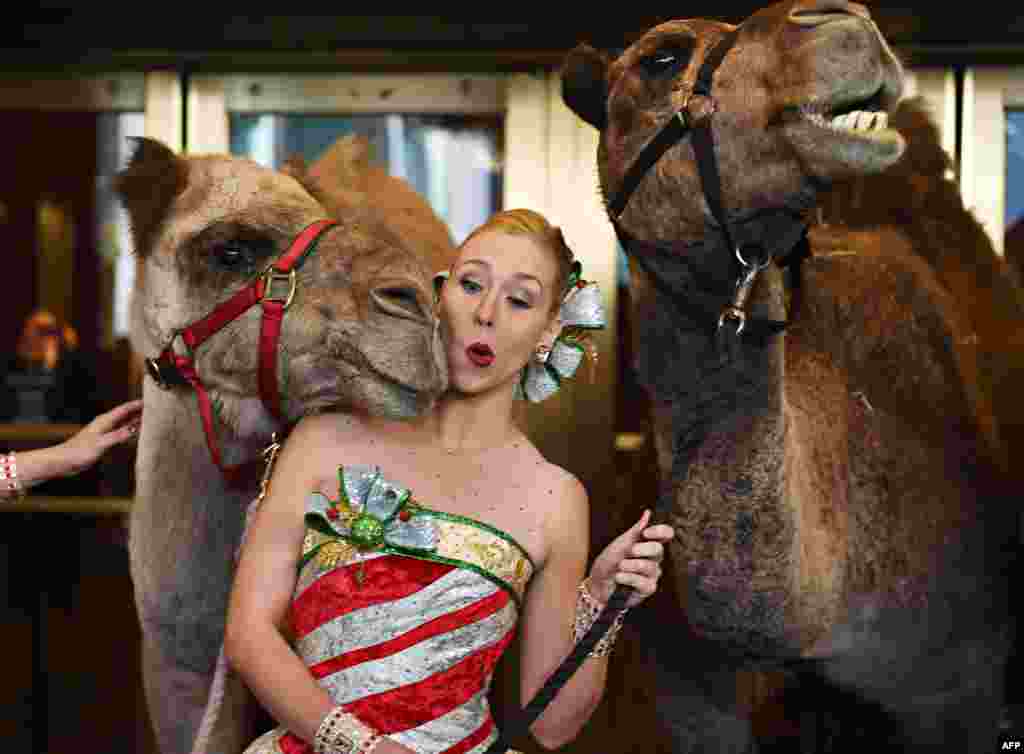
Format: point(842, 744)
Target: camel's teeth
point(841, 121)
point(860, 120)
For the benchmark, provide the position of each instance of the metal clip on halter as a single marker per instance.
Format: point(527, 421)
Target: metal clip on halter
point(743, 287)
point(163, 370)
point(272, 275)
point(269, 455)
point(153, 368)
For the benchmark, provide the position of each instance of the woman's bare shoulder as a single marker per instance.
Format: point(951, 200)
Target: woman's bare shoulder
point(557, 489)
point(560, 479)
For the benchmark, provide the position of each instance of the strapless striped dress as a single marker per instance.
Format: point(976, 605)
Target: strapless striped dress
point(401, 613)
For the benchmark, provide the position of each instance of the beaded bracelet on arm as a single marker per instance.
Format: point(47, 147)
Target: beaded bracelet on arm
point(342, 733)
point(588, 608)
point(10, 485)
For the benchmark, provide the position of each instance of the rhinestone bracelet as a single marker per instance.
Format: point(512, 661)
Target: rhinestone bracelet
point(9, 477)
point(342, 733)
point(587, 611)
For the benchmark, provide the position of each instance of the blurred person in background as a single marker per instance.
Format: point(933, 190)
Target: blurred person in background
point(48, 379)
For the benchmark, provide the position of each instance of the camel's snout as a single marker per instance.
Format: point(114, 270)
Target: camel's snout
point(819, 12)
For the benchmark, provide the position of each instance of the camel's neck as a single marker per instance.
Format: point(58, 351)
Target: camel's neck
point(702, 378)
point(730, 413)
point(174, 468)
point(176, 480)
point(722, 436)
point(186, 526)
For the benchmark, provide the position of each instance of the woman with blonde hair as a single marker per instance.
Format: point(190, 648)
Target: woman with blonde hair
point(389, 565)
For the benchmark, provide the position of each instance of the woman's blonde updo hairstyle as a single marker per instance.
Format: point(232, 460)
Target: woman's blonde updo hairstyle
point(526, 222)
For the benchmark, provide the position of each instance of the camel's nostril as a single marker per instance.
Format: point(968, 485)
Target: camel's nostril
point(400, 301)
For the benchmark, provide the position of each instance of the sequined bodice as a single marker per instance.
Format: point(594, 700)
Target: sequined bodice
point(401, 613)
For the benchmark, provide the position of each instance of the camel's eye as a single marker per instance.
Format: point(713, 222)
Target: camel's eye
point(666, 61)
point(225, 252)
point(240, 252)
point(232, 255)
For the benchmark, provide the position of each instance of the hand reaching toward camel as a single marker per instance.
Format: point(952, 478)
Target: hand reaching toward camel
point(74, 455)
point(85, 448)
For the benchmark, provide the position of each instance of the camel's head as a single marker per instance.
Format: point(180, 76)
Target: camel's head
point(801, 99)
point(360, 333)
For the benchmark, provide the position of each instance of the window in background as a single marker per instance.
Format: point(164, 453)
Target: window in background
point(1014, 238)
point(114, 147)
point(69, 131)
point(452, 160)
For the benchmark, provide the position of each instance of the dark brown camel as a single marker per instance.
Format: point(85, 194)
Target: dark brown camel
point(839, 489)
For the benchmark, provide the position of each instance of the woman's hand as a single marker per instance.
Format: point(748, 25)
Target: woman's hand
point(85, 448)
point(633, 558)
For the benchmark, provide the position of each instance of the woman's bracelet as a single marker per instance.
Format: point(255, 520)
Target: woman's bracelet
point(342, 733)
point(587, 611)
point(9, 477)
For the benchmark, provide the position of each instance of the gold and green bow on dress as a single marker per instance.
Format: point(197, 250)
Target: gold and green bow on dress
point(370, 514)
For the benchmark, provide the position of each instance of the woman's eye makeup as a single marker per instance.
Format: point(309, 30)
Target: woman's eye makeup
point(518, 300)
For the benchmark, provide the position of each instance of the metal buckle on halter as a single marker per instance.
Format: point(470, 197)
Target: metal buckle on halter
point(154, 371)
point(733, 312)
point(696, 108)
point(164, 372)
point(748, 266)
point(272, 274)
point(743, 287)
point(165, 375)
point(683, 113)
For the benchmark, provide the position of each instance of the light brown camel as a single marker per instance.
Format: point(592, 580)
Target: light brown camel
point(837, 489)
point(360, 334)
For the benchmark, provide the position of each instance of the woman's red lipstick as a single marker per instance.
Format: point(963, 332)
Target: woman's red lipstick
point(480, 354)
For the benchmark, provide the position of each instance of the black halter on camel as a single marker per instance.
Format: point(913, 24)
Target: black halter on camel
point(752, 244)
point(772, 234)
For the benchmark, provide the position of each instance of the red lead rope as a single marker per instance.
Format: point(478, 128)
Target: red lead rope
point(170, 369)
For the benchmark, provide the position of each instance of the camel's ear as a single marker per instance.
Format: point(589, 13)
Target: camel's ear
point(584, 88)
point(344, 165)
point(295, 166)
point(147, 187)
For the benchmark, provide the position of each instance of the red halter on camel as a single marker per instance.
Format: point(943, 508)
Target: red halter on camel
point(171, 369)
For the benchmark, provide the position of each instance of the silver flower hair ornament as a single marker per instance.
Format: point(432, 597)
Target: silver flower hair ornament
point(581, 311)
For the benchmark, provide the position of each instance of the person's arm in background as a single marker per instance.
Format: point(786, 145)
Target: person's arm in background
point(74, 455)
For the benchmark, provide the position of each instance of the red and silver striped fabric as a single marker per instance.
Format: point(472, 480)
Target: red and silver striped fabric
point(409, 644)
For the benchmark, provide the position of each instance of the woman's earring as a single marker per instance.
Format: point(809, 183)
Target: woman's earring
point(541, 353)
